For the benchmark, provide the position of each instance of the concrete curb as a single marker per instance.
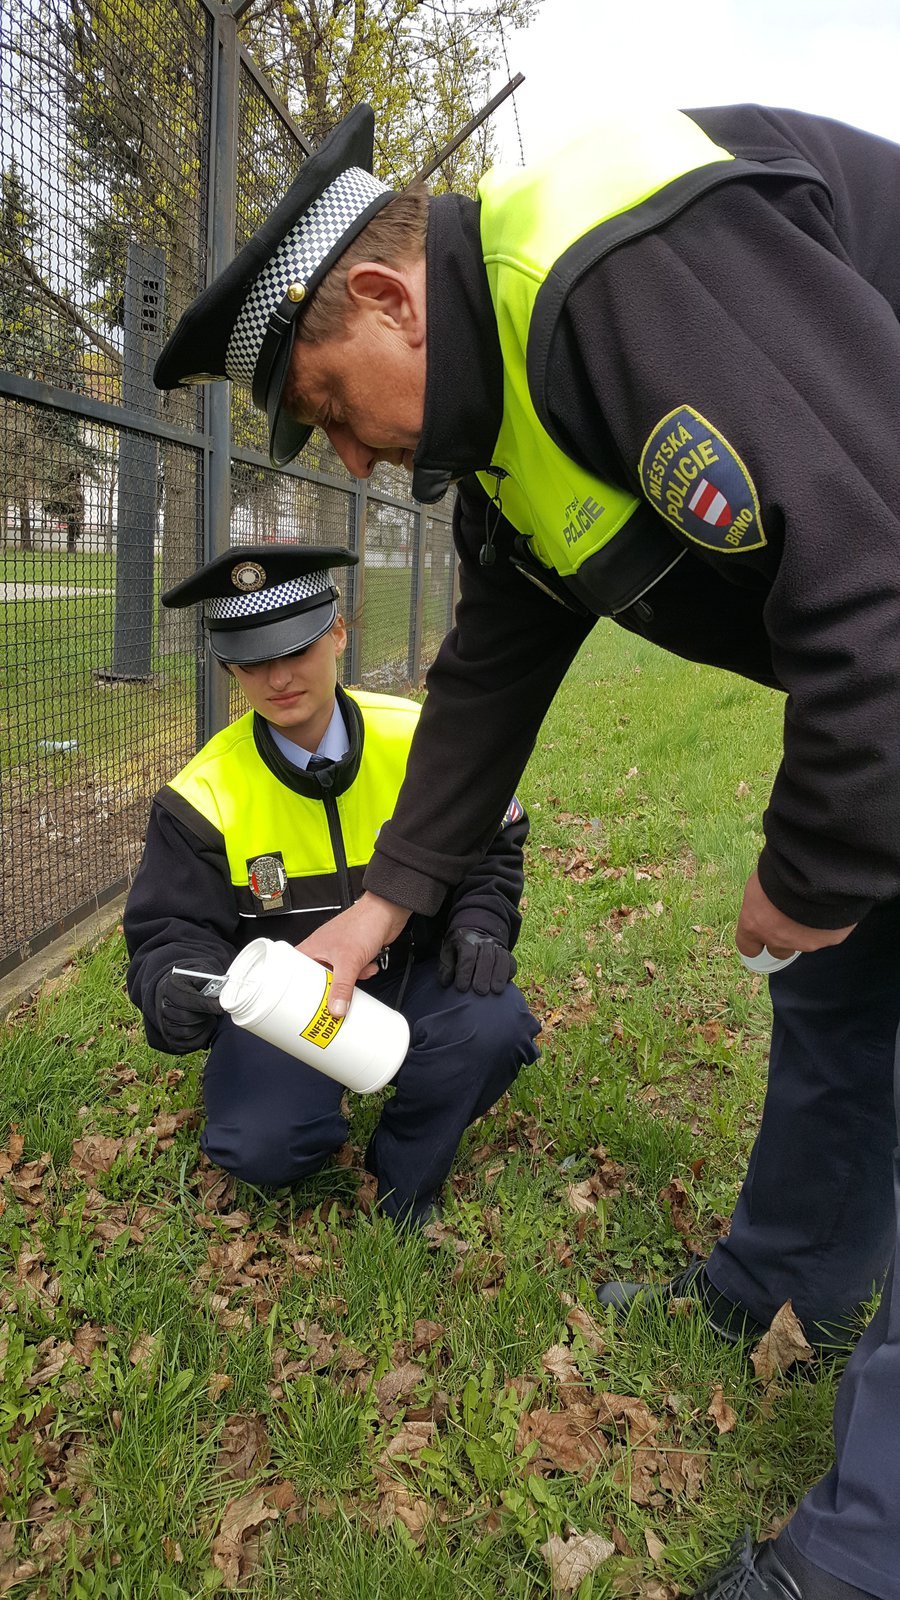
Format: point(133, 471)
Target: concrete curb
point(20, 986)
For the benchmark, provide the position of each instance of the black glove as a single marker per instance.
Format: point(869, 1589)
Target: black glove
point(475, 960)
point(185, 1016)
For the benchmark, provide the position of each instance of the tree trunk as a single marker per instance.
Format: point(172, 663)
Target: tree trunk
point(26, 542)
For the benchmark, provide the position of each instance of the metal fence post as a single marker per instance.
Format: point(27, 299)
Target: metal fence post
point(417, 598)
point(357, 505)
point(138, 458)
point(216, 685)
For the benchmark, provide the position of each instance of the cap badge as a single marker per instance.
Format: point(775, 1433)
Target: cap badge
point(248, 575)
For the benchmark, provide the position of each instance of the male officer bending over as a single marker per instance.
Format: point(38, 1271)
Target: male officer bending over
point(268, 831)
point(664, 367)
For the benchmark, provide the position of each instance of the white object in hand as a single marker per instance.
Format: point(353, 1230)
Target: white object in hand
point(766, 962)
point(281, 995)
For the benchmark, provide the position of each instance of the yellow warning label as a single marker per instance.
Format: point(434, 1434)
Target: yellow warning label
point(322, 1028)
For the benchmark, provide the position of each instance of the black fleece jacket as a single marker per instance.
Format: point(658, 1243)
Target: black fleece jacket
point(771, 308)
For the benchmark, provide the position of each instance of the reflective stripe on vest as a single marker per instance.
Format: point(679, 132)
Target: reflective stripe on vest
point(529, 218)
point(231, 787)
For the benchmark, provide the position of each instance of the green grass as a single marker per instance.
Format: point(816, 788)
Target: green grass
point(645, 793)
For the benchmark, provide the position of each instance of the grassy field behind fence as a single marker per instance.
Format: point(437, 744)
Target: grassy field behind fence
point(52, 647)
point(211, 1390)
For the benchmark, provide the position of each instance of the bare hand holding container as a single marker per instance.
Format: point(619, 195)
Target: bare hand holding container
point(281, 995)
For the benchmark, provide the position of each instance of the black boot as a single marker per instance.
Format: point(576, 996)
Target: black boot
point(774, 1571)
point(730, 1320)
point(725, 1317)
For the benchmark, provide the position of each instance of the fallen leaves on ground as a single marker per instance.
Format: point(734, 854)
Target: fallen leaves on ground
point(723, 1416)
point(94, 1154)
point(582, 1323)
point(235, 1548)
point(560, 1363)
point(408, 1443)
point(784, 1344)
point(144, 1351)
point(563, 1441)
point(572, 1559)
point(604, 1184)
point(243, 1446)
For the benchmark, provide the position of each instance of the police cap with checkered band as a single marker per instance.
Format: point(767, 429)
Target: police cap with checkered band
point(243, 326)
point(263, 601)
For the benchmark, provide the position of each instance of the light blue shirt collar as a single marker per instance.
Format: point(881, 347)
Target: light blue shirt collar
point(334, 744)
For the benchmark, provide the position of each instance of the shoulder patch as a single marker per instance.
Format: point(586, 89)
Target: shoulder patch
point(699, 483)
point(514, 812)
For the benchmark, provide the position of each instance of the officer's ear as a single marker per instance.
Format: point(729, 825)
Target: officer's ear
point(393, 296)
point(339, 636)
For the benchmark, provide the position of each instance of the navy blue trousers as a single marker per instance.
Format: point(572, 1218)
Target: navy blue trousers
point(818, 1223)
point(271, 1120)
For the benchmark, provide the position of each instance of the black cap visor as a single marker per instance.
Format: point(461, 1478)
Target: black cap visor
point(286, 436)
point(252, 642)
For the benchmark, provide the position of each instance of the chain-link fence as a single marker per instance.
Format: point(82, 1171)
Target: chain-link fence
point(139, 147)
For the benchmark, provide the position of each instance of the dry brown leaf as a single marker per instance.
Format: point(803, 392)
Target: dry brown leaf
point(283, 1496)
point(322, 1345)
point(724, 1418)
point(233, 1554)
point(425, 1334)
point(217, 1383)
point(27, 1183)
point(566, 1441)
point(172, 1549)
point(95, 1153)
point(581, 1321)
point(86, 1340)
point(681, 1472)
point(243, 1446)
point(783, 1344)
point(14, 1571)
point(582, 1198)
point(629, 1414)
point(560, 1363)
point(229, 1259)
point(52, 1355)
point(398, 1504)
point(655, 1546)
point(144, 1351)
point(400, 1382)
point(410, 1441)
point(676, 1197)
point(571, 1560)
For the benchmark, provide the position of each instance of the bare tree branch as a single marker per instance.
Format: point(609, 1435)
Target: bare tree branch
point(69, 310)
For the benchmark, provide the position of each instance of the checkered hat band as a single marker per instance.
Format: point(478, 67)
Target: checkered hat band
point(232, 607)
point(295, 261)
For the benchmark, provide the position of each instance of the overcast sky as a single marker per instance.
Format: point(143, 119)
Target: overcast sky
point(838, 57)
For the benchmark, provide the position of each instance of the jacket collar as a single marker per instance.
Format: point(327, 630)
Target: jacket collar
point(334, 780)
point(464, 373)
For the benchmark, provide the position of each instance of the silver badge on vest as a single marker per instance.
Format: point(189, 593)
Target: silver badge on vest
point(268, 882)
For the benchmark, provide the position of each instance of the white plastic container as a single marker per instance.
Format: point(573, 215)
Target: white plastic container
point(281, 995)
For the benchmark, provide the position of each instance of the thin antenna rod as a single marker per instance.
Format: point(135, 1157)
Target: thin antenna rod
point(469, 127)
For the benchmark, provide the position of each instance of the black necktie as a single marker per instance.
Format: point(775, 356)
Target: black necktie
point(316, 763)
